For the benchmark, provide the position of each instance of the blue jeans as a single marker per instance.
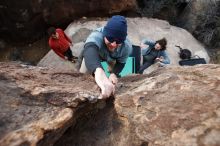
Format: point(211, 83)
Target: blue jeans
point(144, 66)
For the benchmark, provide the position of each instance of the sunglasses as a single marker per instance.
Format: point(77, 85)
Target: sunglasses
point(111, 40)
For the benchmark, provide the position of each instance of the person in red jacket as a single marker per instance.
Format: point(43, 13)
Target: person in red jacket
point(60, 44)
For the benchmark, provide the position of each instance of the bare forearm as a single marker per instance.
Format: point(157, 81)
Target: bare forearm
point(100, 77)
point(104, 83)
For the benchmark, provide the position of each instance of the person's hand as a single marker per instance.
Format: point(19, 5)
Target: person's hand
point(160, 59)
point(113, 78)
point(107, 87)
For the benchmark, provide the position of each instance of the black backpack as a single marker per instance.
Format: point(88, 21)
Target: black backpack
point(187, 59)
point(184, 53)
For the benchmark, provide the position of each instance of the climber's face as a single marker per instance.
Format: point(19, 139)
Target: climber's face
point(157, 46)
point(111, 45)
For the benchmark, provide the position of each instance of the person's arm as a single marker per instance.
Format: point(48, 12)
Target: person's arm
point(118, 68)
point(93, 64)
point(121, 61)
point(104, 83)
point(67, 38)
point(115, 73)
point(91, 56)
point(165, 58)
point(148, 42)
point(146, 45)
point(59, 54)
point(56, 50)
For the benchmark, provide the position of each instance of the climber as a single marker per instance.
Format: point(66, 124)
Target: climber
point(155, 52)
point(60, 43)
point(108, 43)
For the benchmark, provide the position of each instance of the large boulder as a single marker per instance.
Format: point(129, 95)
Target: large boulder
point(38, 105)
point(164, 9)
point(24, 21)
point(202, 18)
point(199, 17)
point(138, 29)
point(171, 106)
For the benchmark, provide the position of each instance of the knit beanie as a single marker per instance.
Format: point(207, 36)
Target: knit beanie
point(116, 28)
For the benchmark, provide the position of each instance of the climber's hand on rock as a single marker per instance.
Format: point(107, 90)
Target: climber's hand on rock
point(107, 87)
point(113, 78)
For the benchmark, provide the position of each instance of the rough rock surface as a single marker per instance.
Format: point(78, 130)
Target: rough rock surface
point(37, 104)
point(138, 29)
point(173, 106)
point(164, 9)
point(27, 20)
point(199, 17)
point(170, 106)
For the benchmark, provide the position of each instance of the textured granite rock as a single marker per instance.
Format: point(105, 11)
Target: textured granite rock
point(170, 106)
point(37, 104)
point(174, 106)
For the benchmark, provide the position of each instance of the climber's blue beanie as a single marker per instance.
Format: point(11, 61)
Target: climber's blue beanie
point(116, 28)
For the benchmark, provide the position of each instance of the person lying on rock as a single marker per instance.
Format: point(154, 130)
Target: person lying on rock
point(60, 43)
point(155, 52)
point(110, 44)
